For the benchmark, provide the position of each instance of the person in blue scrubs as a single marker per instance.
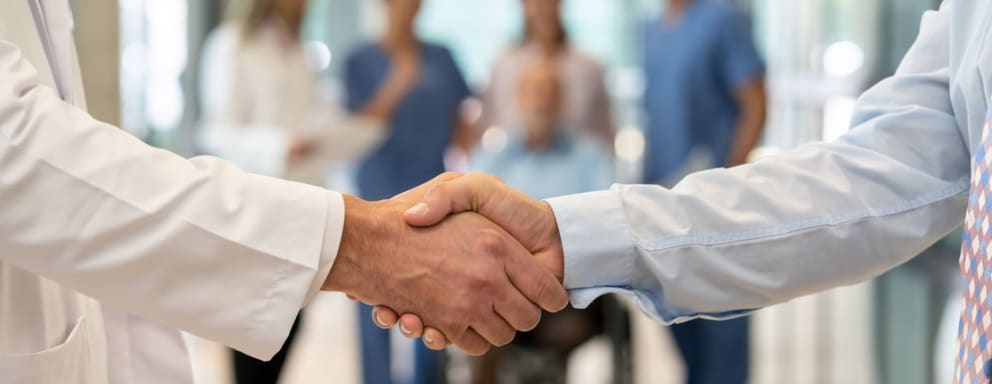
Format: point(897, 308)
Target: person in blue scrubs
point(418, 89)
point(705, 103)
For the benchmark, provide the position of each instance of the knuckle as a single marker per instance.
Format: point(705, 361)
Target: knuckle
point(490, 243)
point(464, 307)
point(481, 280)
point(441, 190)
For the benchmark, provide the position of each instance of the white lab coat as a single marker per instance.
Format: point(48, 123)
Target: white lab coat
point(260, 93)
point(107, 246)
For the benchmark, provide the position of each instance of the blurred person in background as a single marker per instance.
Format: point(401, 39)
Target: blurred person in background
point(418, 88)
point(544, 158)
point(262, 112)
point(705, 103)
point(586, 103)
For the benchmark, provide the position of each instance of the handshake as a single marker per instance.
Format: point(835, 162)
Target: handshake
point(465, 259)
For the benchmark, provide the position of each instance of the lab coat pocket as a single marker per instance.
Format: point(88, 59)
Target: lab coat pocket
point(68, 362)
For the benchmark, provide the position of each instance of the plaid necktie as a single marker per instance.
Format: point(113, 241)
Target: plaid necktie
point(974, 360)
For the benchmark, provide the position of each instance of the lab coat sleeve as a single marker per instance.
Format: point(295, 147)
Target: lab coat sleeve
point(194, 244)
point(727, 241)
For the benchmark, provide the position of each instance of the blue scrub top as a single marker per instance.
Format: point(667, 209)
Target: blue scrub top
point(692, 69)
point(420, 129)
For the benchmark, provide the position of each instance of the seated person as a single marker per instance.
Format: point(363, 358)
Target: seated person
point(545, 160)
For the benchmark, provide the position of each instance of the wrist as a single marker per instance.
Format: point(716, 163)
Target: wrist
point(357, 240)
point(552, 240)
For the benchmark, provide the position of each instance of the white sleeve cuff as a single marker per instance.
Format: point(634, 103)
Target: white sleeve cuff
point(598, 243)
point(332, 241)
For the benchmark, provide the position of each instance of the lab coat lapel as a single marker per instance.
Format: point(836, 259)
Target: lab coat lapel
point(57, 27)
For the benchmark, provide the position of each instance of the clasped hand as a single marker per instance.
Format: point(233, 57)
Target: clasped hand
point(465, 259)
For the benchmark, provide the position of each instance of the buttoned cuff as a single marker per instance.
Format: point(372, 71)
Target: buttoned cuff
point(598, 243)
point(332, 241)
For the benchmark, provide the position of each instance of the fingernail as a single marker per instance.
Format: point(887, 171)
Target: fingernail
point(404, 330)
point(378, 318)
point(417, 210)
point(428, 339)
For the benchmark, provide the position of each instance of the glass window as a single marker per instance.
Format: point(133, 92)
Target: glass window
point(153, 58)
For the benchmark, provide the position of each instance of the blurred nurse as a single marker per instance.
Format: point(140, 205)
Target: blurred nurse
point(705, 102)
point(262, 112)
point(418, 89)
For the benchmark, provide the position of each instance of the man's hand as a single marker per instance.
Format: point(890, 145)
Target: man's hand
point(530, 221)
point(466, 276)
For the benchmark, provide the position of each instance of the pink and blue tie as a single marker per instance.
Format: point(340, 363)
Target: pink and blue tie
point(974, 360)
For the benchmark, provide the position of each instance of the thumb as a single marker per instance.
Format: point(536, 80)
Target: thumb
point(443, 199)
point(424, 214)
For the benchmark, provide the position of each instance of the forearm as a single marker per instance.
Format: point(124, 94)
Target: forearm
point(753, 103)
point(465, 136)
point(388, 97)
point(787, 227)
point(749, 133)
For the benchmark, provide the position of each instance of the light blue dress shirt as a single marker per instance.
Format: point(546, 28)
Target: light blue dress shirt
point(572, 164)
point(723, 242)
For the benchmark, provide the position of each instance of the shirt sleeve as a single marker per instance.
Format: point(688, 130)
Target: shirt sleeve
point(196, 244)
point(739, 60)
point(726, 241)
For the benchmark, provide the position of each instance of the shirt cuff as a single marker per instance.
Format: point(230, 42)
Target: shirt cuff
point(598, 243)
point(332, 241)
